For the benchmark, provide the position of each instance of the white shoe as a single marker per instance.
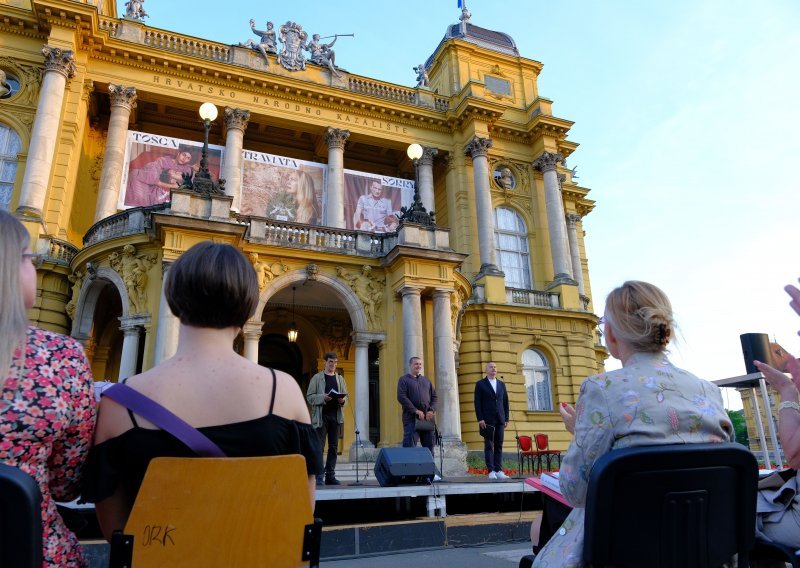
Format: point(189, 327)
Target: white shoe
point(500, 475)
point(492, 475)
point(436, 477)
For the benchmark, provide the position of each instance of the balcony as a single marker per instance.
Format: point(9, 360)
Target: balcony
point(129, 222)
point(56, 251)
point(532, 298)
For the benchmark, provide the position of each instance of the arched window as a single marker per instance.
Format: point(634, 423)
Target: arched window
point(512, 248)
point(537, 380)
point(10, 146)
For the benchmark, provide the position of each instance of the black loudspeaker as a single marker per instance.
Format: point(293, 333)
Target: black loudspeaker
point(404, 466)
point(755, 346)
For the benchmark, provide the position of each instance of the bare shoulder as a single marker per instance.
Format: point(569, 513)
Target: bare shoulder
point(289, 400)
point(112, 420)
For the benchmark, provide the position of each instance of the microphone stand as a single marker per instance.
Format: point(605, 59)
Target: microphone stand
point(359, 444)
point(441, 449)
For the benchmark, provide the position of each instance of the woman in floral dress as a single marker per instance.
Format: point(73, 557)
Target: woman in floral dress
point(47, 407)
point(646, 403)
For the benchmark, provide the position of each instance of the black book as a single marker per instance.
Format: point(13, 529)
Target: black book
point(487, 432)
point(333, 393)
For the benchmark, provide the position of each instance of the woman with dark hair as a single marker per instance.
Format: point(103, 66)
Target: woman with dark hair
point(648, 402)
point(243, 408)
point(47, 401)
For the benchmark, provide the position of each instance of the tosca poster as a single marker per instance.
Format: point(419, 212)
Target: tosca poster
point(154, 165)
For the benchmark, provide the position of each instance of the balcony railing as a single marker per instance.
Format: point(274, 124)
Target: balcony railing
point(298, 235)
point(122, 224)
point(57, 251)
point(535, 298)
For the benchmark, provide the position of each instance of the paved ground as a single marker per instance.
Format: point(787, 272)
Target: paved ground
point(498, 556)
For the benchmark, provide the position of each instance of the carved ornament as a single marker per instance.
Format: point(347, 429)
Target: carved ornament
point(236, 118)
point(59, 60)
point(336, 137)
point(369, 289)
point(547, 161)
point(124, 97)
point(133, 270)
point(478, 147)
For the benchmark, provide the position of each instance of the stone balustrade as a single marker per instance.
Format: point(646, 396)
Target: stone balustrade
point(187, 46)
point(109, 25)
point(56, 250)
point(124, 223)
point(382, 90)
point(534, 298)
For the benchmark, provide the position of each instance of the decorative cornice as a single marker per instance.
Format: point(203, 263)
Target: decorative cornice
point(428, 154)
point(124, 97)
point(547, 161)
point(236, 118)
point(59, 60)
point(336, 137)
point(478, 147)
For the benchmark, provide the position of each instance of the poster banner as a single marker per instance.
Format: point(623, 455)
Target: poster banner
point(283, 189)
point(372, 202)
point(154, 165)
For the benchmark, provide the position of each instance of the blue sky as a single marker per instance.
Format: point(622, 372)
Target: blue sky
point(687, 114)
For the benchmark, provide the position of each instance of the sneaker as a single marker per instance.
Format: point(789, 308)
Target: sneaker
point(436, 477)
point(320, 483)
point(332, 481)
point(500, 475)
point(492, 475)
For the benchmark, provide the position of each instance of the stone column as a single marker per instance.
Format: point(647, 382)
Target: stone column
point(168, 326)
point(477, 149)
point(425, 177)
point(252, 333)
point(559, 246)
point(130, 349)
point(444, 357)
point(59, 66)
point(123, 100)
point(361, 399)
point(412, 323)
point(574, 251)
point(236, 123)
point(334, 207)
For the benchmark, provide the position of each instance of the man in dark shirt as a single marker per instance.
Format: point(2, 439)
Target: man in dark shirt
point(416, 395)
point(491, 409)
point(326, 412)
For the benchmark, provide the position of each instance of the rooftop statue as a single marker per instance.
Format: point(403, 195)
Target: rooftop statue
point(266, 43)
point(134, 10)
point(293, 40)
point(322, 54)
point(422, 75)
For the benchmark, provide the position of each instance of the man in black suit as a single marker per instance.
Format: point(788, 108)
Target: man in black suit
point(491, 408)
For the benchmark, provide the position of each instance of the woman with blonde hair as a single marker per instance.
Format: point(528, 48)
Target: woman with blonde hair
point(306, 199)
point(647, 402)
point(47, 406)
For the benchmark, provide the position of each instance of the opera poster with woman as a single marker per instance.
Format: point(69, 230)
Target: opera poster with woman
point(372, 202)
point(155, 165)
point(283, 189)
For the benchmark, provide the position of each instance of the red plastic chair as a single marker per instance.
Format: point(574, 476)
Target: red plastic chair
point(525, 453)
point(544, 452)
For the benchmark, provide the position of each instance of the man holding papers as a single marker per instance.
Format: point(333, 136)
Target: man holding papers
point(327, 393)
point(491, 408)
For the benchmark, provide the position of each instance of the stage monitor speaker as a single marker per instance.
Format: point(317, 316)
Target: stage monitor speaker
point(404, 466)
point(755, 346)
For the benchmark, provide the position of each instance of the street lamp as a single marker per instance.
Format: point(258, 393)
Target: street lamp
point(416, 213)
point(293, 331)
point(202, 182)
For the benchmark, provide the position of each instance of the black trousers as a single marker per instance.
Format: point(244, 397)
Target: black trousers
point(493, 449)
point(330, 431)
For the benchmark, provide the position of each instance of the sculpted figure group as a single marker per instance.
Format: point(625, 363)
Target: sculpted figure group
point(293, 43)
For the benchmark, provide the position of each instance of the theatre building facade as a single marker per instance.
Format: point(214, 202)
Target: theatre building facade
point(384, 221)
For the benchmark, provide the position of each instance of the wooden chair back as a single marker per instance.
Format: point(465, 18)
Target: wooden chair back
point(222, 512)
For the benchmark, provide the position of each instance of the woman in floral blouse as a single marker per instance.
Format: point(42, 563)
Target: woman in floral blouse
point(47, 407)
point(647, 402)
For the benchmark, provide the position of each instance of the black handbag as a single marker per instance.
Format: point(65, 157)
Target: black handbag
point(424, 425)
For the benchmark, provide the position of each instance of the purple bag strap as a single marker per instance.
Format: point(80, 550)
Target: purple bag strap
point(164, 419)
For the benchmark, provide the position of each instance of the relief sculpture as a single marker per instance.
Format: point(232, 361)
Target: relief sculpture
point(133, 269)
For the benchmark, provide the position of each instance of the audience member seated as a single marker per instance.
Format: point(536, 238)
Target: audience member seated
point(647, 402)
point(245, 409)
point(778, 507)
point(48, 409)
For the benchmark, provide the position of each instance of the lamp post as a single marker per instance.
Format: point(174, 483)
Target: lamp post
point(293, 331)
point(201, 182)
point(417, 212)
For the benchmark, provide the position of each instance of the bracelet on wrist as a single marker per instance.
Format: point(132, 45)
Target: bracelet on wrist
point(789, 404)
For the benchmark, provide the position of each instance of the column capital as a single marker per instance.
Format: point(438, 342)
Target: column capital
point(442, 292)
point(547, 161)
point(131, 324)
point(59, 60)
point(428, 154)
point(124, 97)
point(336, 137)
point(478, 147)
point(253, 328)
point(236, 118)
point(410, 291)
point(572, 220)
